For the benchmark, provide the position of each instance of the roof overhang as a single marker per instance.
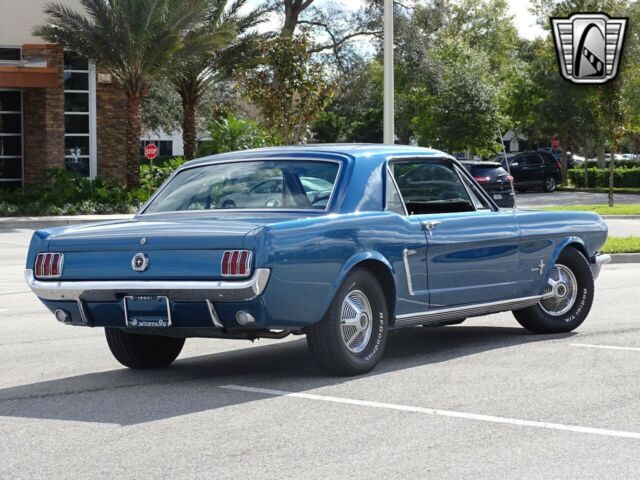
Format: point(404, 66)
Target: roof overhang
point(29, 77)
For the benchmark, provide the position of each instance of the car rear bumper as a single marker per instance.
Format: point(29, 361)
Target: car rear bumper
point(597, 262)
point(185, 291)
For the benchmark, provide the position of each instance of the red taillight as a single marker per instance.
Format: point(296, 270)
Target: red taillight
point(236, 263)
point(482, 179)
point(49, 265)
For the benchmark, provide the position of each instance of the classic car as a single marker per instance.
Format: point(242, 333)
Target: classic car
point(405, 238)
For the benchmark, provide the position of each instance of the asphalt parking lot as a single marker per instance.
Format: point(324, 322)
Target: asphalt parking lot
point(483, 399)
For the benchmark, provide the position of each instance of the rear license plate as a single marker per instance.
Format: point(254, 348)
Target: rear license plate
point(147, 311)
point(497, 197)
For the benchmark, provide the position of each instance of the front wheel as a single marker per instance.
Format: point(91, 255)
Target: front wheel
point(550, 184)
point(140, 351)
point(351, 337)
point(567, 298)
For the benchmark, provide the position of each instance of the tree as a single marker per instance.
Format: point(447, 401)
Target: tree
point(133, 40)
point(458, 111)
point(289, 88)
point(225, 41)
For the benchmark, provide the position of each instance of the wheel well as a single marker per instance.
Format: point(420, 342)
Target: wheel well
point(384, 276)
point(579, 247)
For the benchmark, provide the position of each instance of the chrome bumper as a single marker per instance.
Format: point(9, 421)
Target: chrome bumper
point(598, 261)
point(178, 290)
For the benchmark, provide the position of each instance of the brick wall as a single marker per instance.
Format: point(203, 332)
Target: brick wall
point(111, 104)
point(43, 118)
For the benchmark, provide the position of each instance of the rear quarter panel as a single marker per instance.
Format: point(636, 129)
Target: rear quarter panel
point(310, 258)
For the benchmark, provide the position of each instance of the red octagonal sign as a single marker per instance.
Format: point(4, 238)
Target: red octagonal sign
point(151, 151)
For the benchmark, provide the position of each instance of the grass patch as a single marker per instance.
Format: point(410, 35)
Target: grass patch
point(622, 245)
point(601, 209)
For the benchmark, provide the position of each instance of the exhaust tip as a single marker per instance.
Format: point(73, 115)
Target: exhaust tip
point(62, 316)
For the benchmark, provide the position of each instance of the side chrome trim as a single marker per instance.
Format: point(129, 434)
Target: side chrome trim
point(407, 270)
point(456, 313)
point(176, 290)
point(598, 261)
point(214, 315)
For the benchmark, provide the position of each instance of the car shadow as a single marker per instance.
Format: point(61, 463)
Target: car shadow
point(129, 397)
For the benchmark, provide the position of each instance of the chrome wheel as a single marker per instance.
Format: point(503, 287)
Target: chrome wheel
point(356, 322)
point(561, 292)
point(550, 184)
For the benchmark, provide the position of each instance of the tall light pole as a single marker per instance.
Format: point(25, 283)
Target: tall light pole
point(389, 134)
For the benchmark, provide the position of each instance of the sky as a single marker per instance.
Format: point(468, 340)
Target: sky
point(524, 21)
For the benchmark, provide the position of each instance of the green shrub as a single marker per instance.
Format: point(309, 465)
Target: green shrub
point(152, 176)
point(599, 177)
point(67, 193)
point(230, 134)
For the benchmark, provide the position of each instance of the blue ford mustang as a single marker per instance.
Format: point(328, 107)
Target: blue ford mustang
point(399, 237)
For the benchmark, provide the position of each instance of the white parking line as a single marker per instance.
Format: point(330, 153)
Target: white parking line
point(442, 413)
point(605, 347)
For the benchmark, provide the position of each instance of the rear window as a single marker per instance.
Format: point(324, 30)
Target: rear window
point(486, 171)
point(249, 185)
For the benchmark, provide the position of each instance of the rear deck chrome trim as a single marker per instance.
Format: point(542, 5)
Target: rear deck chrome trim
point(176, 290)
point(464, 311)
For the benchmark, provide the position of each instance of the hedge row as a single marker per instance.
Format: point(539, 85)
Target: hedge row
point(599, 177)
point(619, 164)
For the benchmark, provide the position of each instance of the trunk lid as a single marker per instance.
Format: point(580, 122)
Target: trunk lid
point(184, 246)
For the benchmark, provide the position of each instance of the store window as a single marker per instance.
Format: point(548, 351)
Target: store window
point(10, 54)
point(79, 115)
point(10, 139)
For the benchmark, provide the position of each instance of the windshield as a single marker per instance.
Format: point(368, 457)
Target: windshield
point(291, 184)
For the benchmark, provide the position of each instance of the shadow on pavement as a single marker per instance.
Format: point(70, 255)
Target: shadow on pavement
point(128, 397)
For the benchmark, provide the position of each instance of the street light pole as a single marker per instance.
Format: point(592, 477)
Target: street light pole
point(389, 134)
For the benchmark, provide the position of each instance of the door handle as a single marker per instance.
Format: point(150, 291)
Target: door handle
point(429, 225)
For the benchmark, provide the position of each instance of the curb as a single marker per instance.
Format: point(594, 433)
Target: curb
point(34, 223)
point(621, 217)
point(625, 258)
point(597, 190)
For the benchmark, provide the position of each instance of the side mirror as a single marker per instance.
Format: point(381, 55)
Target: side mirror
point(246, 190)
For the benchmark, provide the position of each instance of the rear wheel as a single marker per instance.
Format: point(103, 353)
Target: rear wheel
point(550, 184)
point(143, 351)
point(351, 337)
point(567, 298)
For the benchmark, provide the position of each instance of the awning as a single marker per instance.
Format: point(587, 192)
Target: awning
point(30, 77)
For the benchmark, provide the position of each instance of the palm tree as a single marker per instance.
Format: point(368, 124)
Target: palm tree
point(225, 38)
point(132, 39)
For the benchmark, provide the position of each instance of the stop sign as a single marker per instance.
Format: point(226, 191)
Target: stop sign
point(151, 151)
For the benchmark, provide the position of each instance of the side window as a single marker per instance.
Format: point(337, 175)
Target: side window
point(532, 160)
point(264, 187)
point(479, 202)
point(393, 202)
point(431, 187)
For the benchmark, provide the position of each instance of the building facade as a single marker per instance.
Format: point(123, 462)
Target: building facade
point(57, 110)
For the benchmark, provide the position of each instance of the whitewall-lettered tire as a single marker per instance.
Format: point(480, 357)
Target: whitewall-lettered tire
point(351, 337)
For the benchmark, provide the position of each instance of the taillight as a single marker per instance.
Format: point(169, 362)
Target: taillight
point(49, 265)
point(236, 263)
point(482, 179)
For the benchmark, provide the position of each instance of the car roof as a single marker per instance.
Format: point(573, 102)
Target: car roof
point(358, 151)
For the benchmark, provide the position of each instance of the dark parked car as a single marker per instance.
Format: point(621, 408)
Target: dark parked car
point(532, 170)
point(495, 180)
